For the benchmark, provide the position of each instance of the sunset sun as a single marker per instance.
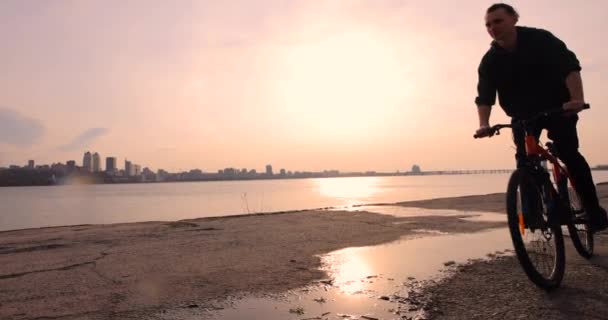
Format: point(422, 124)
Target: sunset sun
point(342, 85)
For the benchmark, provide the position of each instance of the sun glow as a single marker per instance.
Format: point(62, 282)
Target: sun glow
point(342, 85)
point(354, 190)
point(350, 269)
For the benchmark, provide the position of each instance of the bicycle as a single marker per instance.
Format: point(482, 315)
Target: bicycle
point(538, 207)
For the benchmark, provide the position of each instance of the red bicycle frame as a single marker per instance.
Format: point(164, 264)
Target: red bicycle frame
point(559, 172)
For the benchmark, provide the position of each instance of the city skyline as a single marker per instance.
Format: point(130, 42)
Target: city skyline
point(87, 165)
point(91, 173)
point(352, 85)
point(268, 168)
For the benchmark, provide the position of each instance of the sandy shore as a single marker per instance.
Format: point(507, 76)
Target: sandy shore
point(141, 270)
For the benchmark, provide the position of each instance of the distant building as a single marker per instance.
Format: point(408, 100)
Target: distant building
point(111, 165)
point(283, 172)
point(87, 162)
point(148, 175)
point(269, 170)
point(194, 174)
point(161, 175)
point(330, 173)
point(63, 169)
point(136, 170)
point(70, 165)
point(230, 172)
point(416, 169)
point(129, 170)
point(96, 162)
point(31, 165)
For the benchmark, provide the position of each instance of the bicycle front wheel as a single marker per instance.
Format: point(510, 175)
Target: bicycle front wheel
point(579, 227)
point(537, 237)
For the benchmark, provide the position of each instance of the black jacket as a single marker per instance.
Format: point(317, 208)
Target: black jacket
point(530, 78)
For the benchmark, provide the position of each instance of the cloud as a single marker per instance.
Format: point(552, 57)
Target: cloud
point(84, 139)
point(19, 130)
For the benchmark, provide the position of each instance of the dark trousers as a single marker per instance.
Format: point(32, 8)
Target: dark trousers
point(562, 131)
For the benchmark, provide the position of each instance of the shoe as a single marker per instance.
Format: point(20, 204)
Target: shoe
point(599, 220)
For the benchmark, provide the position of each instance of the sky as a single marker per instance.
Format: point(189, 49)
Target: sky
point(350, 85)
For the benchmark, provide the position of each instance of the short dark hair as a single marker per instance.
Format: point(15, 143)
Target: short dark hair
point(508, 8)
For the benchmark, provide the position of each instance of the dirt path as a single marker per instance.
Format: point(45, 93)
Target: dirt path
point(499, 289)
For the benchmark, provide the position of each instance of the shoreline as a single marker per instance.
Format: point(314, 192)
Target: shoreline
point(100, 178)
point(273, 178)
point(491, 202)
point(461, 203)
point(139, 270)
point(142, 269)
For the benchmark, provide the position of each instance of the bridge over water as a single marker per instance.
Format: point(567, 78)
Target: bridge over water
point(445, 172)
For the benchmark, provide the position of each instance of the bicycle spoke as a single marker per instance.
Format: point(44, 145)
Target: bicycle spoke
point(579, 230)
point(538, 243)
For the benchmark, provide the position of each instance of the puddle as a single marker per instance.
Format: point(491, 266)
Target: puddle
point(430, 231)
point(370, 282)
point(399, 211)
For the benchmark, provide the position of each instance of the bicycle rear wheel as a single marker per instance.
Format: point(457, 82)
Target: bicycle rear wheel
point(579, 228)
point(537, 239)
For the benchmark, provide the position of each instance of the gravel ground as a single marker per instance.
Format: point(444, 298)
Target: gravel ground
point(499, 289)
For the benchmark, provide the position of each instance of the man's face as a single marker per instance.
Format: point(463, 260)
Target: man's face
point(500, 24)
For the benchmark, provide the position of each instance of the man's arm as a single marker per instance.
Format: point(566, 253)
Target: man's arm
point(484, 115)
point(568, 66)
point(574, 82)
point(486, 95)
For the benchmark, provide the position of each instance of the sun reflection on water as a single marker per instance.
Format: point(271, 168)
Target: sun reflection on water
point(354, 190)
point(353, 269)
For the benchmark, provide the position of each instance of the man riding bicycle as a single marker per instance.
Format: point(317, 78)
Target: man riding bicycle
point(533, 71)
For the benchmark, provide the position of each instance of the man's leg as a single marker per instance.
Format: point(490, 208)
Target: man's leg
point(519, 138)
point(531, 206)
point(562, 130)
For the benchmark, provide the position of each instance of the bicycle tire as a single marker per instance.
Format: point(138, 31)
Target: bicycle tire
point(580, 231)
point(555, 272)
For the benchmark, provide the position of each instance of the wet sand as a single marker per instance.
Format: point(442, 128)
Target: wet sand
point(143, 270)
point(146, 270)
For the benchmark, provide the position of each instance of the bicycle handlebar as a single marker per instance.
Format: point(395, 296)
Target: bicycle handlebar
point(495, 129)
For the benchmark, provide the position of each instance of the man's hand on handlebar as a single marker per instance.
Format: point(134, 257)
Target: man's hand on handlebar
point(484, 131)
point(571, 107)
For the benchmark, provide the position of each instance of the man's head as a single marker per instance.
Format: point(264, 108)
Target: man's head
point(500, 21)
